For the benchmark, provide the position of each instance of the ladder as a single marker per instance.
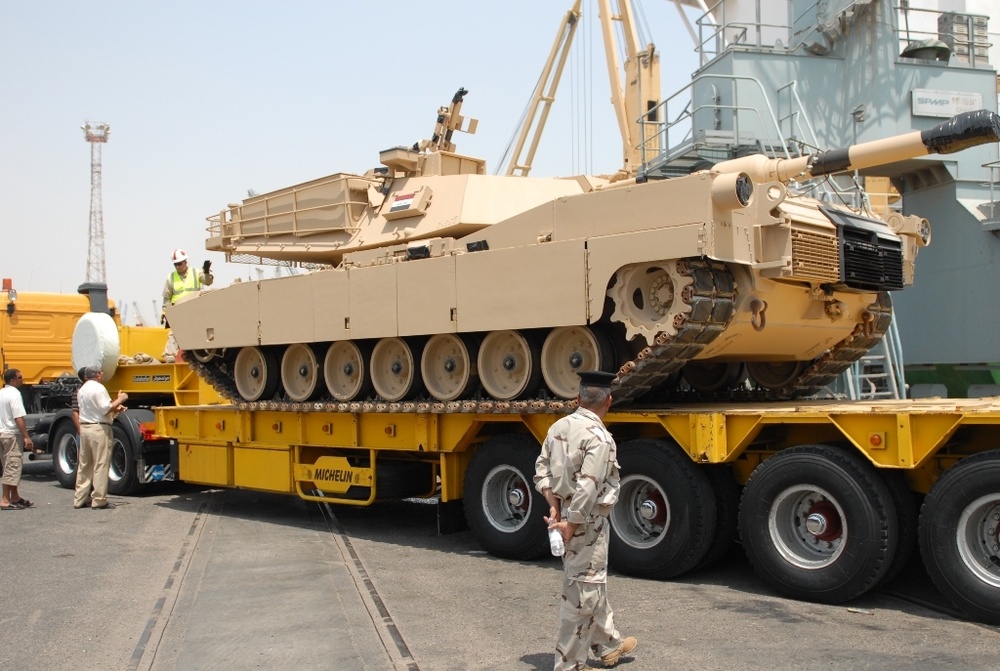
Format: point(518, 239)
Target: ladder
point(879, 373)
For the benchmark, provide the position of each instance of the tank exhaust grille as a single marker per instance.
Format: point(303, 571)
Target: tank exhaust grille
point(815, 256)
point(871, 255)
point(871, 262)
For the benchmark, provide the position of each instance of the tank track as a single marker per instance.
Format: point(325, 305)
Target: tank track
point(821, 372)
point(712, 296)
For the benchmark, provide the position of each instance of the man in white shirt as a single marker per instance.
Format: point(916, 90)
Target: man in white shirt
point(14, 439)
point(96, 411)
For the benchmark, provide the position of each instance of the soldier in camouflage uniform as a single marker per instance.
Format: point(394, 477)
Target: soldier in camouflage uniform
point(577, 473)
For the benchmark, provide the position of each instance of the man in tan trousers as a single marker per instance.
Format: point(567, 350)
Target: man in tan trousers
point(577, 473)
point(96, 411)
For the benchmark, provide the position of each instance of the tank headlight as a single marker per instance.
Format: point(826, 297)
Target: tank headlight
point(915, 227)
point(924, 231)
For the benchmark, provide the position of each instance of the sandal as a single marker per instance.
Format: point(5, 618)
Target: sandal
point(23, 502)
point(13, 506)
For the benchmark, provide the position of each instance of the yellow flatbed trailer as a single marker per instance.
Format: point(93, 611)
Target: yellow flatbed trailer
point(829, 498)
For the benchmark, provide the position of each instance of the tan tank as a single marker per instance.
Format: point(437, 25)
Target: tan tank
point(440, 287)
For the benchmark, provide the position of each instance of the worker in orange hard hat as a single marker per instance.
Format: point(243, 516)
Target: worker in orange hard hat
point(183, 280)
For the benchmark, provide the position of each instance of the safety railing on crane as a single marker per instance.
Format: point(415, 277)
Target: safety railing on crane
point(992, 208)
point(679, 141)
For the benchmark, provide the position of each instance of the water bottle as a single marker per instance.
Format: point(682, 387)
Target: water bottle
point(556, 543)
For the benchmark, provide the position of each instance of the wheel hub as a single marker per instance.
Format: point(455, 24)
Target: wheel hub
point(396, 367)
point(648, 510)
point(661, 292)
point(516, 497)
point(348, 369)
point(450, 365)
point(575, 360)
point(823, 522)
point(255, 372)
point(303, 370)
point(642, 517)
point(509, 362)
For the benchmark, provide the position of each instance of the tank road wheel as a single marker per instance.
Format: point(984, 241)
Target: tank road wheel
point(395, 369)
point(774, 374)
point(502, 507)
point(509, 365)
point(960, 535)
point(648, 296)
point(818, 524)
point(708, 377)
point(301, 375)
point(256, 373)
point(664, 521)
point(569, 349)
point(345, 368)
point(448, 366)
point(65, 457)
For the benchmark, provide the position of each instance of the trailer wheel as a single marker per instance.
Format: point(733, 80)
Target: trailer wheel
point(502, 508)
point(960, 535)
point(664, 521)
point(818, 524)
point(123, 478)
point(907, 508)
point(64, 446)
point(727, 511)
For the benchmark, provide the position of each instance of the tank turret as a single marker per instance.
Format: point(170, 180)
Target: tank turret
point(439, 287)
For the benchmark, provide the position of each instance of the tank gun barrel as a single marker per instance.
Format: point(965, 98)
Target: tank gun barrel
point(962, 131)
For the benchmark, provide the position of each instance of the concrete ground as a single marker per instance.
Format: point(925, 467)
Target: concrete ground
point(183, 577)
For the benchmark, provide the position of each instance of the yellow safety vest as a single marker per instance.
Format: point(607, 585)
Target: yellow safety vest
point(181, 285)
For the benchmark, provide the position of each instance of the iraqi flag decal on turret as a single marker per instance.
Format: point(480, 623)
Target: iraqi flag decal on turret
point(402, 201)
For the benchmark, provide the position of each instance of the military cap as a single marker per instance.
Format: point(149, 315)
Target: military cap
point(596, 378)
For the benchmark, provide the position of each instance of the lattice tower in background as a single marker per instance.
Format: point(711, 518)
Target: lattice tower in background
point(96, 134)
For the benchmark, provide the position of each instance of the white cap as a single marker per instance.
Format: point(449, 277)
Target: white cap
point(179, 255)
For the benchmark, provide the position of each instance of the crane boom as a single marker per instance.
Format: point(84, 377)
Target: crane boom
point(545, 93)
point(632, 101)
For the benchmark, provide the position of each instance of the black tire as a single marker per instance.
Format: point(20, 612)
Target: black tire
point(727, 513)
point(959, 531)
point(398, 479)
point(123, 476)
point(817, 524)
point(502, 508)
point(664, 521)
point(907, 505)
point(63, 443)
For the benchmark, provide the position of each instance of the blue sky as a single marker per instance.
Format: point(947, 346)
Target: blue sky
point(207, 99)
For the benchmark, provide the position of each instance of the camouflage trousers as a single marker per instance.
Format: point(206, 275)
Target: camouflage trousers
point(586, 621)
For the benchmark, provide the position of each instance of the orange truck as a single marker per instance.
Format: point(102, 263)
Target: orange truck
point(37, 337)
